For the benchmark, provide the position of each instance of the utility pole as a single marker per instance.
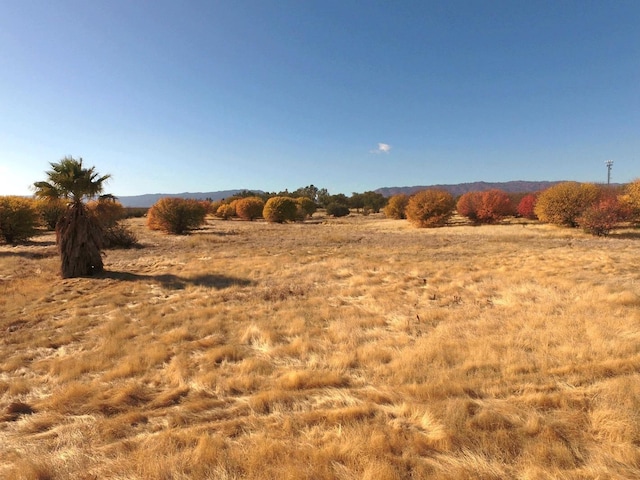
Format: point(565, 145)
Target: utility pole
point(609, 164)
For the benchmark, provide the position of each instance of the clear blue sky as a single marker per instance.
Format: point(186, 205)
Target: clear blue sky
point(349, 95)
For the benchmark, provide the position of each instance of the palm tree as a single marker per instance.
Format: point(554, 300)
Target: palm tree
point(78, 234)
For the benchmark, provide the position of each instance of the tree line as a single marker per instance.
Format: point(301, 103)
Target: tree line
point(72, 202)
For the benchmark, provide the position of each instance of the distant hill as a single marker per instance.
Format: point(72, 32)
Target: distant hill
point(149, 199)
point(517, 186)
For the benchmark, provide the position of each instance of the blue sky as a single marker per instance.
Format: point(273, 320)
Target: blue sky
point(176, 96)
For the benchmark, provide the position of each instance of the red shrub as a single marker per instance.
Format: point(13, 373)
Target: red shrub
point(526, 206)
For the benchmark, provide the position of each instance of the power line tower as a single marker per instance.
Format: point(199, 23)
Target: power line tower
point(609, 164)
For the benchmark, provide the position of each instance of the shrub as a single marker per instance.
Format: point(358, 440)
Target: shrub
point(600, 217)
point(494, 206)
point(176, 215)
point(51, 210)
point(280, 210)
point(107, 211)
point(526, 207)
point(396, 206)
point(18, 219)
point(485, 207)
point(306, 207)
point(249, 208)
point(430, 208)
point(630, 200)
point(337, 209)
point(226, 211)
point(468, 205)
point(119, 236)
point(563, 203)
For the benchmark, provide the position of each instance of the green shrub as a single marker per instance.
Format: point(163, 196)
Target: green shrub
point(396, 206)
point(563, 203)
point(176, 215)
point(18, 219)
point(249, 208)
point(280, 210)
point(430, 208)
point(337, 210)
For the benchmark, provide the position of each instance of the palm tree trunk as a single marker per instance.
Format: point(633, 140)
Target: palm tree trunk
point(79, 237)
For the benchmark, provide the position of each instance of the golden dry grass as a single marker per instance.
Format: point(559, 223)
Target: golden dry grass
point(359, 348)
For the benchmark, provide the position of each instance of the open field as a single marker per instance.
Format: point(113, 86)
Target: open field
point(356, 348)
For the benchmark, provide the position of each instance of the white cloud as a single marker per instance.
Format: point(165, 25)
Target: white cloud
point(382, 148)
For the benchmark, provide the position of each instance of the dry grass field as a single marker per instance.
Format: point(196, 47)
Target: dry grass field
point(355, 348)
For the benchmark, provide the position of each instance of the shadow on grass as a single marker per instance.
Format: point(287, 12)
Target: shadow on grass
point(175, 282)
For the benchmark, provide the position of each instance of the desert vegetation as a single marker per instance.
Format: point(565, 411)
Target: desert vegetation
point(343, 348)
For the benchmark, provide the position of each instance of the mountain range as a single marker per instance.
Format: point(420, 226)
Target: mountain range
point(518, 186)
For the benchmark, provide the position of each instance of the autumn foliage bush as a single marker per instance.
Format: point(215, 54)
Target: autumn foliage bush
point(306, 207)
point(280, 210)
point(109, 212)
point(18, 219)
point(630, 201)
point(526, 207)
point(51, 210)
point(600, 217)
point(565, 202)
point(249, 208)
point(396, 206)
point(430, 208)
point(176, 215)
point(485, 207)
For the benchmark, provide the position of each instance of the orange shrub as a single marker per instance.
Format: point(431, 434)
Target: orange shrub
point(18, 219)
point(249, 208)
point(396, 206)
point(430, 208)
point(526, 206)
point(280, 210)
point(176, 215)
point(563, 203)
point(306, 207)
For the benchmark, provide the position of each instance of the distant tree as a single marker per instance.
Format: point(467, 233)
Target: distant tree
point(79, 234)
point(430, 208)
point(310, 191)
point(18, 219)
point(176, 215)
point(563, 203)
point(396, 206)
point(526, 206)
point(249, 208)
point(337, 209)
point(323, 198)
point(356, 201)
point(280, 210)
point(374, 201)
point(339, 198)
